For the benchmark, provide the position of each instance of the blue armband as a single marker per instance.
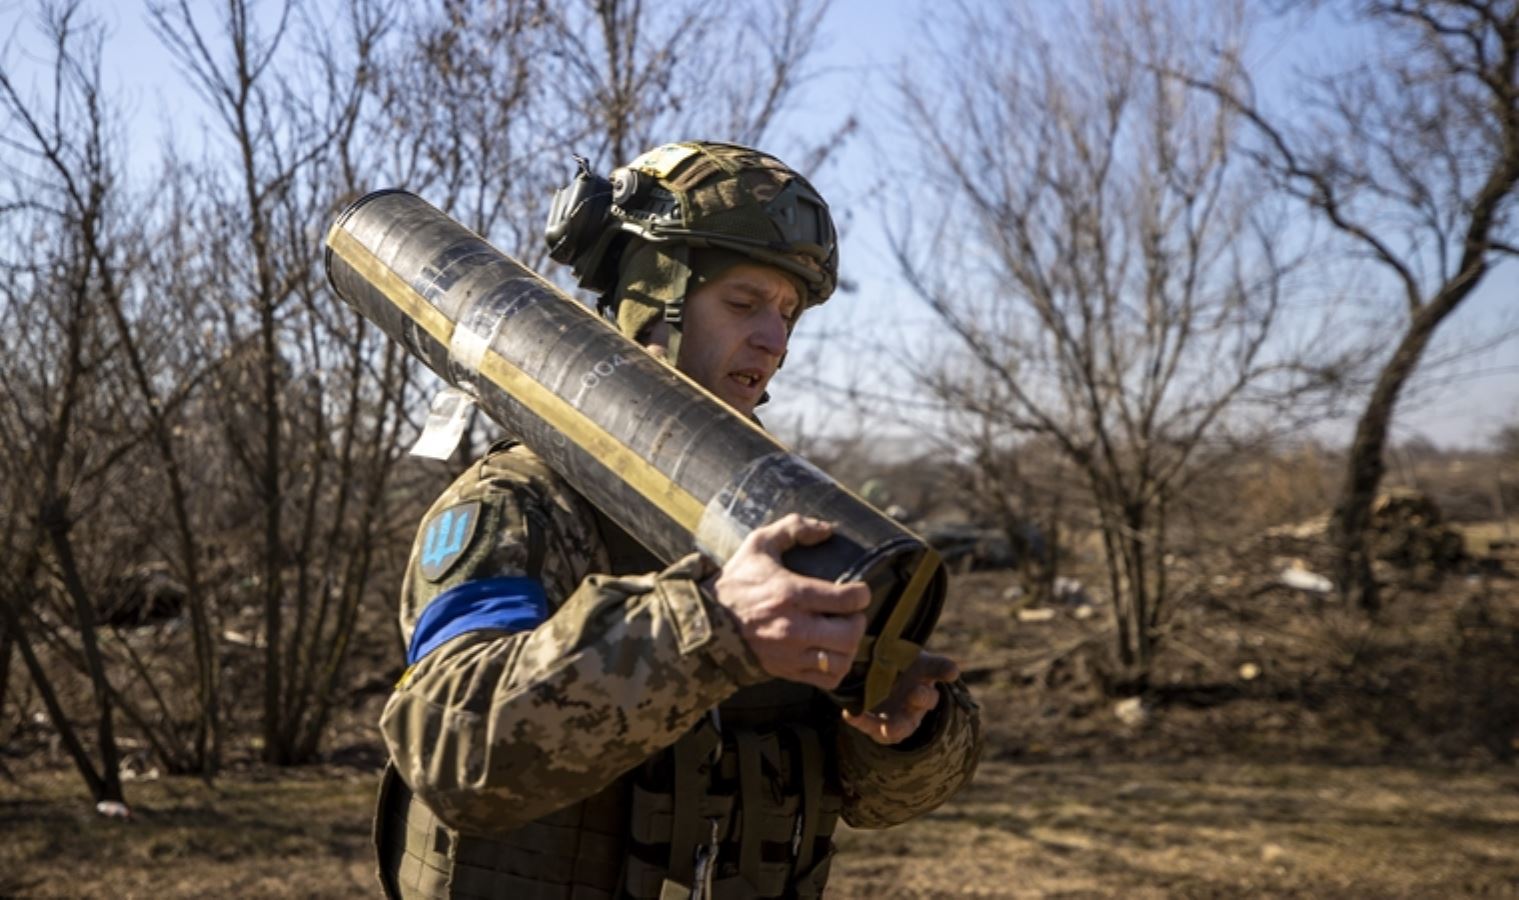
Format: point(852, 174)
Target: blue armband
point(501, 604)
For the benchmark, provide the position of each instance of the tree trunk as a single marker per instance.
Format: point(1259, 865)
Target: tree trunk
point(108, 785)
point(1119, 590)
point(1135, 562)
point(1366, 463)
point(11, 617)
point(7, 644)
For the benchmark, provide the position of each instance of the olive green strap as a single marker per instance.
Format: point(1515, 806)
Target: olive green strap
point(891, 654)
point(749, 794)
point(694, 755)
point(812, 794)
point(685, 820)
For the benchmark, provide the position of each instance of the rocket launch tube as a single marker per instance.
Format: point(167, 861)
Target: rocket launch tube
point(669, 462)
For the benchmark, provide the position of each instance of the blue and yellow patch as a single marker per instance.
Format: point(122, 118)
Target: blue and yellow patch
point(446, 537)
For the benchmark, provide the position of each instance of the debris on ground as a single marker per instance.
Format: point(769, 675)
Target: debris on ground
point(1409, 531)
point(1131, 711)
point(1071, 592)
point(1297, 575)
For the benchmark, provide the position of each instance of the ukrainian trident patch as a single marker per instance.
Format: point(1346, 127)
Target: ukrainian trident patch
point(446, 537)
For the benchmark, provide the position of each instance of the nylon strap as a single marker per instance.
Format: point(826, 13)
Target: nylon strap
point(685, 831)
point(695, 755)
point(749, 793)
point(812, 794)
point(892, 654)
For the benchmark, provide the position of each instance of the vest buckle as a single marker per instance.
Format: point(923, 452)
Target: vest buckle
point(706, 863)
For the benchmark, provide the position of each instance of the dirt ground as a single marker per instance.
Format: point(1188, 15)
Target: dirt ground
point(1286, 748)
point(1201, 829)
point(1068, 829)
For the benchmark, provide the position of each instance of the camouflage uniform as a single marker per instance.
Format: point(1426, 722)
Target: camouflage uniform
point(581, 758)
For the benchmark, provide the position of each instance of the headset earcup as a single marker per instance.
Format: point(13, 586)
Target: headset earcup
point(578, 218)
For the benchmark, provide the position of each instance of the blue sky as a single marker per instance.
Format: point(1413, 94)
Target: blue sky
point(1459, 397)
point(864, 40)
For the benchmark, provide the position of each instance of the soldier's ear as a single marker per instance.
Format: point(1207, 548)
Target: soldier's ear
point(656, 340)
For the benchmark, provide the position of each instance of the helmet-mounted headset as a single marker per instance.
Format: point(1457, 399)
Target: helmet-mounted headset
point(693, 195)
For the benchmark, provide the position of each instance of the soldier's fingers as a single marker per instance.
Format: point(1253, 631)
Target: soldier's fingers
point(933, 667)
point(833, 599)
point(837, 633)
point(922, 698)
point(878, 726)
point(821, 668)
point(787, 532)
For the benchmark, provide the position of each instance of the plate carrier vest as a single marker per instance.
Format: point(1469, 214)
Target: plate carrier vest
point(742, 806)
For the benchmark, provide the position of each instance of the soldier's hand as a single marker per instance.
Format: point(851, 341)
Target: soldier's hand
point(801, 629)
point(914, 695)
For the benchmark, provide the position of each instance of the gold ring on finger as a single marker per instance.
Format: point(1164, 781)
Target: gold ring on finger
point(823, 661)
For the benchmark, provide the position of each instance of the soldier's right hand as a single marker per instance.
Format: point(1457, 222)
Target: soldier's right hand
point(801, 629)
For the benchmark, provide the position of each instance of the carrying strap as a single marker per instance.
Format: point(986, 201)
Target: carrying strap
point(749, 787)
point(812, 796)
point(743, 808)
point(696, 754)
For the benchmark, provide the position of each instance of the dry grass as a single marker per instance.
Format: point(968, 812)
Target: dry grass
point(1359, 759)
point(1070, 829)
point(298, 833)
point(1201, 829)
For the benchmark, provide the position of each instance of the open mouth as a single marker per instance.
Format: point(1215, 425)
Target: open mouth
point(748, 378)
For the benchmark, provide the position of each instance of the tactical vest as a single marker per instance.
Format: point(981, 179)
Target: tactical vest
point(742, 806)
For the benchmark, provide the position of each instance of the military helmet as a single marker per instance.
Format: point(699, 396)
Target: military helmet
point(630, 237)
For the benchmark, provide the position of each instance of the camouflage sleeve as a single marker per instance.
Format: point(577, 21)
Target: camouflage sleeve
point(493, 729)
point(887, 785)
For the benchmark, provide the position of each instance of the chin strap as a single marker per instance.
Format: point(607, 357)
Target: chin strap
point(672, 343)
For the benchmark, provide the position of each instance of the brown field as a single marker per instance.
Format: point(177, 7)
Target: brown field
point(1287, 747)
point(1068, 829)
point(1366, 760)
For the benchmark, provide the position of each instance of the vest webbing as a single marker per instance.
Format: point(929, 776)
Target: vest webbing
point(773, 771)
point(768, 756)
point(573, 854)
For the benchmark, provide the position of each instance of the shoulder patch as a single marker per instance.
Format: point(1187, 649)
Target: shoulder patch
point(446, 537)
point(662, 160)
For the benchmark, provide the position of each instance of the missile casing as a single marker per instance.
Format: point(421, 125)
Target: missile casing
point(667, 461)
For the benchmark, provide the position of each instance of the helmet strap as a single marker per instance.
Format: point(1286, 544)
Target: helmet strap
point(674, 316)
point(652, 289)
point(672, 343)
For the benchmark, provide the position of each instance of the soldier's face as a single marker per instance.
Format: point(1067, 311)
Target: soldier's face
point(735, 333)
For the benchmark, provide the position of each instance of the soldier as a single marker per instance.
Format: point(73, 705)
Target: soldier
point(577, 723)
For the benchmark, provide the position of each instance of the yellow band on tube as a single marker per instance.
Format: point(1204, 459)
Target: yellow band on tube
point(560, 414)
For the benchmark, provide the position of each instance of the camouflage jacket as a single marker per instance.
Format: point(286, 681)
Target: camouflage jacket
point(495, 729)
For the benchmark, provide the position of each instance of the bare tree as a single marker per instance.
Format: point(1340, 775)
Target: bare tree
point(1103, 271)
point(463, 108)
point(631, 74)
point(311, 466)
point(116, 435)
point(178, 341)
point(63, 185)
point(1505, 441)
point(1413, 157)
point(485, 101)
